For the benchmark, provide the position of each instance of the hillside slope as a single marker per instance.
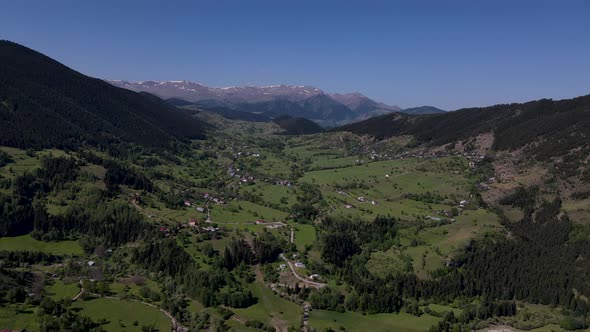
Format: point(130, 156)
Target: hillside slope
point(297, 126)
point(46, 104)
point(549, 128)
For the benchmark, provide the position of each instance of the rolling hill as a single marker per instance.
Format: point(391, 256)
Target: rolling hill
point(46, 104)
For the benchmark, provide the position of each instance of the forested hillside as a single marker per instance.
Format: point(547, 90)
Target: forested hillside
point(554, 127)
point(46, 104)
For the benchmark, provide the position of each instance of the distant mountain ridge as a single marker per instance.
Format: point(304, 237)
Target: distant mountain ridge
point(423, 110)
point(273, 101)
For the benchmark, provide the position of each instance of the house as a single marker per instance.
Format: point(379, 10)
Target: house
point(210, 229)
point(192, 222)
point(361, 199)
point(260, 222)
point(282, 266)
point(91, 263)
point(314, 276)
point(374, 202)
point(299, 264)
point(187, 203)
point(348, 206)
point(283, 183)
point(200, 209)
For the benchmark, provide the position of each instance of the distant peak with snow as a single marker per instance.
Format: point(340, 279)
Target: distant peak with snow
point(280, 98)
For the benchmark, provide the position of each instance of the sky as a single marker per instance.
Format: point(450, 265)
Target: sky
point(449, 54)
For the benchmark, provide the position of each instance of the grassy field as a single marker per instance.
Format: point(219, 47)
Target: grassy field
point(26, 242)
point(354, 321)
point(59, 290)
point(24, 319)
point(118, 288)
point(304, 235)
point(121, 315)
point(243, 211)
point(270, 309)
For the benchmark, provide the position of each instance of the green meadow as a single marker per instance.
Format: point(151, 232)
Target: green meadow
point(27, 243)
point(353, 321)
point(123, 315)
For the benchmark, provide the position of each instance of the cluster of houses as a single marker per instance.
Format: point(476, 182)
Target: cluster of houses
point(269, 225)
point(209, 197)
point(473, 156)
point(246, 154)
point(285, 183)
point(360, 199)
point(194, 223)
point(363, 200)
point(188, 203)
point(165, 231)
point(244, 179)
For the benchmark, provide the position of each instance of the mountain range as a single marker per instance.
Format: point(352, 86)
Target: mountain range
point(271, 101)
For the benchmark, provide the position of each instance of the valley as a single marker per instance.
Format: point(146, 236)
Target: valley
point(151, 215)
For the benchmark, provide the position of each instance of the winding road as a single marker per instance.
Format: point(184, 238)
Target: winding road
point(302, 279)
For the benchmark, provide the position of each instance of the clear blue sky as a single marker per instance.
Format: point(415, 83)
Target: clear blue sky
point(449, 54)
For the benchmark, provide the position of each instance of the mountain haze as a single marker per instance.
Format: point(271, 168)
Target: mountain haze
point(275, 100)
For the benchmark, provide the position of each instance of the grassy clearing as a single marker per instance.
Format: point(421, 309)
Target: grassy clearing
point(354, 321)
point(121, 315)
point(436, 244)
point(23, 162)
point(26, 242)
point(578, 210)
point(274, 193)
point(270, 309)
point(25, 318)
point(383, 264)
point(119, 288)
point(243, 211)
point(304, 235)
point(59, 290)
point(446, 175)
